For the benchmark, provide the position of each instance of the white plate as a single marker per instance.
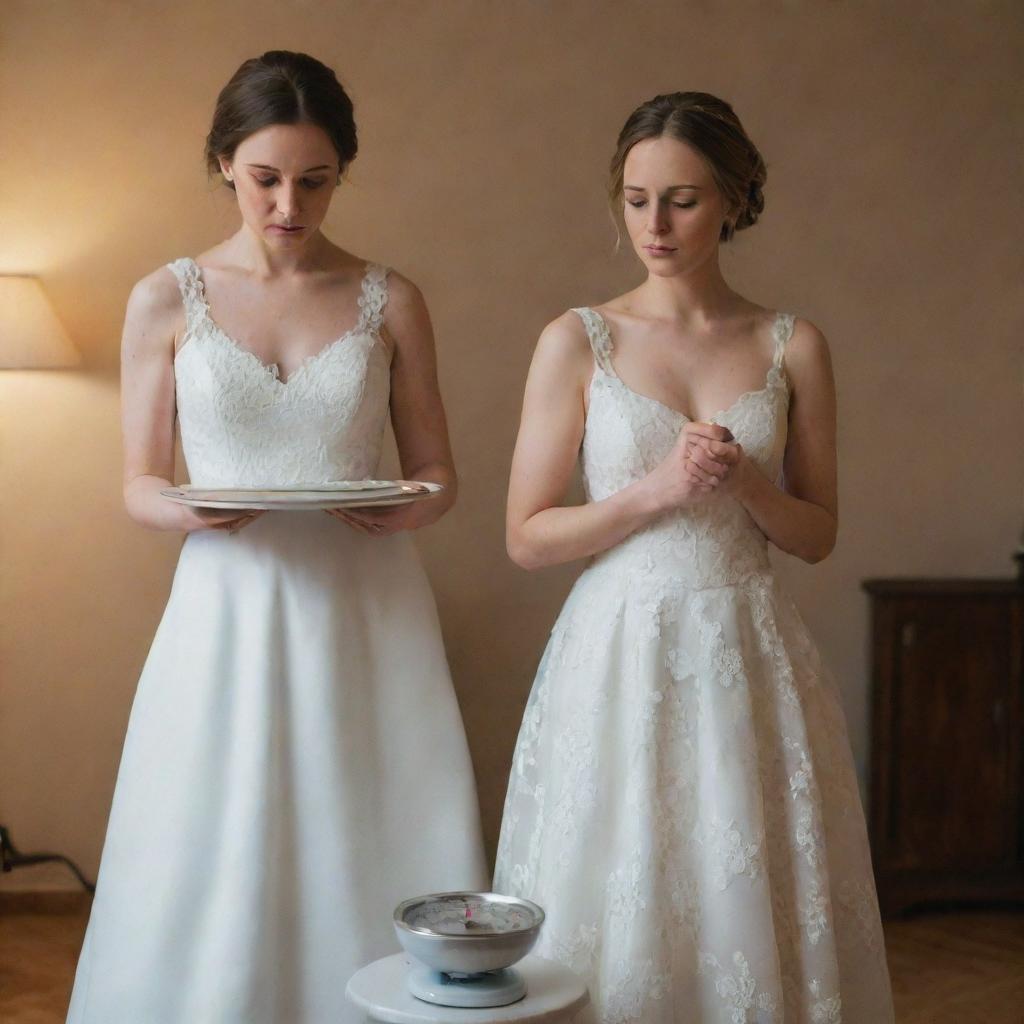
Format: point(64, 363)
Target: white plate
point(310, 497)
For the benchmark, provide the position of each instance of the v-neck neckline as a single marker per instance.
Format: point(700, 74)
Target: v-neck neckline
point(612, 374)
point(273, 370)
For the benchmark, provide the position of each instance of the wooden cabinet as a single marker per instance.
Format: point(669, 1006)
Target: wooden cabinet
point(947, 773)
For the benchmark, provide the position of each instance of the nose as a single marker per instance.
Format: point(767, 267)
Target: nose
point(287, 200)
point(657, 222)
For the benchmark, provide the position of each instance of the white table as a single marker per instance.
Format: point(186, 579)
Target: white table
point(553, 994)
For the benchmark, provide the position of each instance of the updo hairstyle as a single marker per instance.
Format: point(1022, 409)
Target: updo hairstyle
point(281, 87)
point(710, 126)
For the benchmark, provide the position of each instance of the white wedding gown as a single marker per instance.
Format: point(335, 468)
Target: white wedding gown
point(295, 763)
point(682, 800)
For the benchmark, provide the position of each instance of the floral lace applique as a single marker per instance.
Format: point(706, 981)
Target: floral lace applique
point(814, 912)
point(824, 1011)
point(577, 951)
point(730, 854)
point(739, 992)
point(860, 900)
point(630, 989)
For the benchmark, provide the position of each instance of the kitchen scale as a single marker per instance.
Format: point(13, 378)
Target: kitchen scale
point(465, 945)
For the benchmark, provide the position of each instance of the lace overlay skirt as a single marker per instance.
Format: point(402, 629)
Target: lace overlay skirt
point(683, 804)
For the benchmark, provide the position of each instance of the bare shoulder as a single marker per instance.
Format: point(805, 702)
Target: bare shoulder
point(402, 292)
point(405, 315)
point(154, 313)
point(565, 340)
point(156, 293)
point(807, 353)
point(562, 356)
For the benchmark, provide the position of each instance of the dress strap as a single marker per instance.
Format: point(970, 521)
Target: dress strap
point(190, 284)
point(599, 336)
point(782, 331)
point(373, 298)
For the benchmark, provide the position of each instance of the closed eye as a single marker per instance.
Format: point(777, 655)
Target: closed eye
point(638, 204)
point(308, 183)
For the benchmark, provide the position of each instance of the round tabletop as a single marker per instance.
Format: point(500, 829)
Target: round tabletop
point(553, 993)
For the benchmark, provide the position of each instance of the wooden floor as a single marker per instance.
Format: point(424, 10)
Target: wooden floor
point(957, 968)
point(947, 968)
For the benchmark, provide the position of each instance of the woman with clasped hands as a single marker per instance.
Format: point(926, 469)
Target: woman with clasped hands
point(682, 800)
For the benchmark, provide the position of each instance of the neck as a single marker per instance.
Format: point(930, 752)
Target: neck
point(253, 253)
point(691, 298)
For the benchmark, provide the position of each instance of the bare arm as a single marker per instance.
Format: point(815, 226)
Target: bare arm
point(417, 414)
point(539, 530)
point(802, 518)
point(152, 320)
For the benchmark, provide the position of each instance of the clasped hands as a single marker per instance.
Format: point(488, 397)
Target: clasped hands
point(712, 457)
point(706, 460)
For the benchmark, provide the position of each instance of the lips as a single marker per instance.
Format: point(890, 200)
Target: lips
point(286, 229)
point(659, 250)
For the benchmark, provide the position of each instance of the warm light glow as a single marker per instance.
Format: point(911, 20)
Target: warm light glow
point(31, 336)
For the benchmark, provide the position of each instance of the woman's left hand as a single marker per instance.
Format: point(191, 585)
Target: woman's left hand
point(723, 464)
point(379, 522)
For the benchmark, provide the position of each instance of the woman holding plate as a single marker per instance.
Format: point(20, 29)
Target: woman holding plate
point(295, 763)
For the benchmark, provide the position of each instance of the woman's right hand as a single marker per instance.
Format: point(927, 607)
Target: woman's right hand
point(230, 520)
point(693, 469)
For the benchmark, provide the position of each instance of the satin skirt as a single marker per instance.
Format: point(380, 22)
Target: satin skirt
point(295, 765)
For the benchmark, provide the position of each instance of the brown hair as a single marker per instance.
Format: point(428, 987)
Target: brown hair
point(281, 87)
point(711, 126)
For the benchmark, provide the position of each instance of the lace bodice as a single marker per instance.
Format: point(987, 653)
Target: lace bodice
point(627, 434)
point(243, 426)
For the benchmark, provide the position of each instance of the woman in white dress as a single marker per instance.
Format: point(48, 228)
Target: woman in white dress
point(682, 799)
point(295, 762)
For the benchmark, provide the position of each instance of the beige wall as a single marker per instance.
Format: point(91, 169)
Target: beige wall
point(892, 142)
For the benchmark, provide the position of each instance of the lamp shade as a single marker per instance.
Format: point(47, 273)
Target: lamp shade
point(31, 336)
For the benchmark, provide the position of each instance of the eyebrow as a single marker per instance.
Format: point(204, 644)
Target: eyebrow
point(671, 188)
point(308, 170)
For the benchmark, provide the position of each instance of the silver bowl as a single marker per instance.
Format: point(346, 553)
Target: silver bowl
point(465, 933)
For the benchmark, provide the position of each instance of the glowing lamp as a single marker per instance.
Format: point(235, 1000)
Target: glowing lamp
point(31, 336)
